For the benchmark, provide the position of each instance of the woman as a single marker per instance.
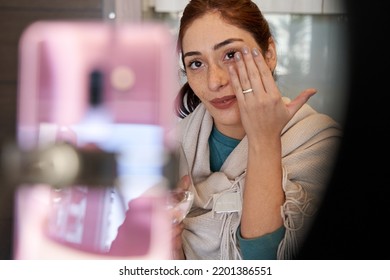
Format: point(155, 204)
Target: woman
point(259, 161)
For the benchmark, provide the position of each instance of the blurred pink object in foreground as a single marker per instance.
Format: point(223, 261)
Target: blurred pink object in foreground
point(101, 86)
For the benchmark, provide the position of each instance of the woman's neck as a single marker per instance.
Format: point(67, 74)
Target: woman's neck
point(232, 131)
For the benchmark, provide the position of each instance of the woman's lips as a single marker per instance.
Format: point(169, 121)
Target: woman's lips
point(224, 102)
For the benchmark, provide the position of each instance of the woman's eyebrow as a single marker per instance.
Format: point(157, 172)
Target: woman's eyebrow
point(226, 42)
point(216, 47)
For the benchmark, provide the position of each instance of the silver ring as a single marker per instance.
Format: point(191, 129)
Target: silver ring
point(247, 91)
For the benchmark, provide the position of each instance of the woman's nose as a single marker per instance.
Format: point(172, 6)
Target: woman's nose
point(218, 77)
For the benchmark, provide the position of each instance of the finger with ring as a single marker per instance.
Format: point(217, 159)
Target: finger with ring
point(249, 90)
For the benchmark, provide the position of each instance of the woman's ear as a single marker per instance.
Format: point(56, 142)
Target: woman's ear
point(270, 55)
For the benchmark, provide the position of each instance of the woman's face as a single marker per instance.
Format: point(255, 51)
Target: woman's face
point(209, 45)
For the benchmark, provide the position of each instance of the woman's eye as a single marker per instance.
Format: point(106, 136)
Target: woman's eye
point(230, 55)
point(195, 64)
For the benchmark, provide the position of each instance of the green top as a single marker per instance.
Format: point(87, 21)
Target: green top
point(261, 248)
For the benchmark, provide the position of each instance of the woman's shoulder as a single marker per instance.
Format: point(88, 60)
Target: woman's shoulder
point(197, 113)
point(308, 127)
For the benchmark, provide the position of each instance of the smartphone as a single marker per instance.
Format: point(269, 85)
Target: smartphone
point(108, 87)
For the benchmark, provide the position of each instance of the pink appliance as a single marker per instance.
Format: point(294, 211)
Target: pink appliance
point(104, 87)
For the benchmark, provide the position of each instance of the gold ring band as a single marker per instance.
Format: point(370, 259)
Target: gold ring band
point(247, 91)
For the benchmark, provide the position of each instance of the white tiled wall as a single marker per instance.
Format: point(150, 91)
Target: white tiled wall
point(268, 6)
point(290, 6)
point(334, 6)
point(302, 6)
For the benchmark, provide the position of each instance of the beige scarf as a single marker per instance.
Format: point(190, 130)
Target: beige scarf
point(309, 142)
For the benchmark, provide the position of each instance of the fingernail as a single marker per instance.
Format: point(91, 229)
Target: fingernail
point(245, 50)
point(255, 52)
point(237, 56)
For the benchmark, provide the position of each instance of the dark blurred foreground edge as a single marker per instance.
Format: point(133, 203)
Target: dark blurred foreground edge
point(352, 223)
